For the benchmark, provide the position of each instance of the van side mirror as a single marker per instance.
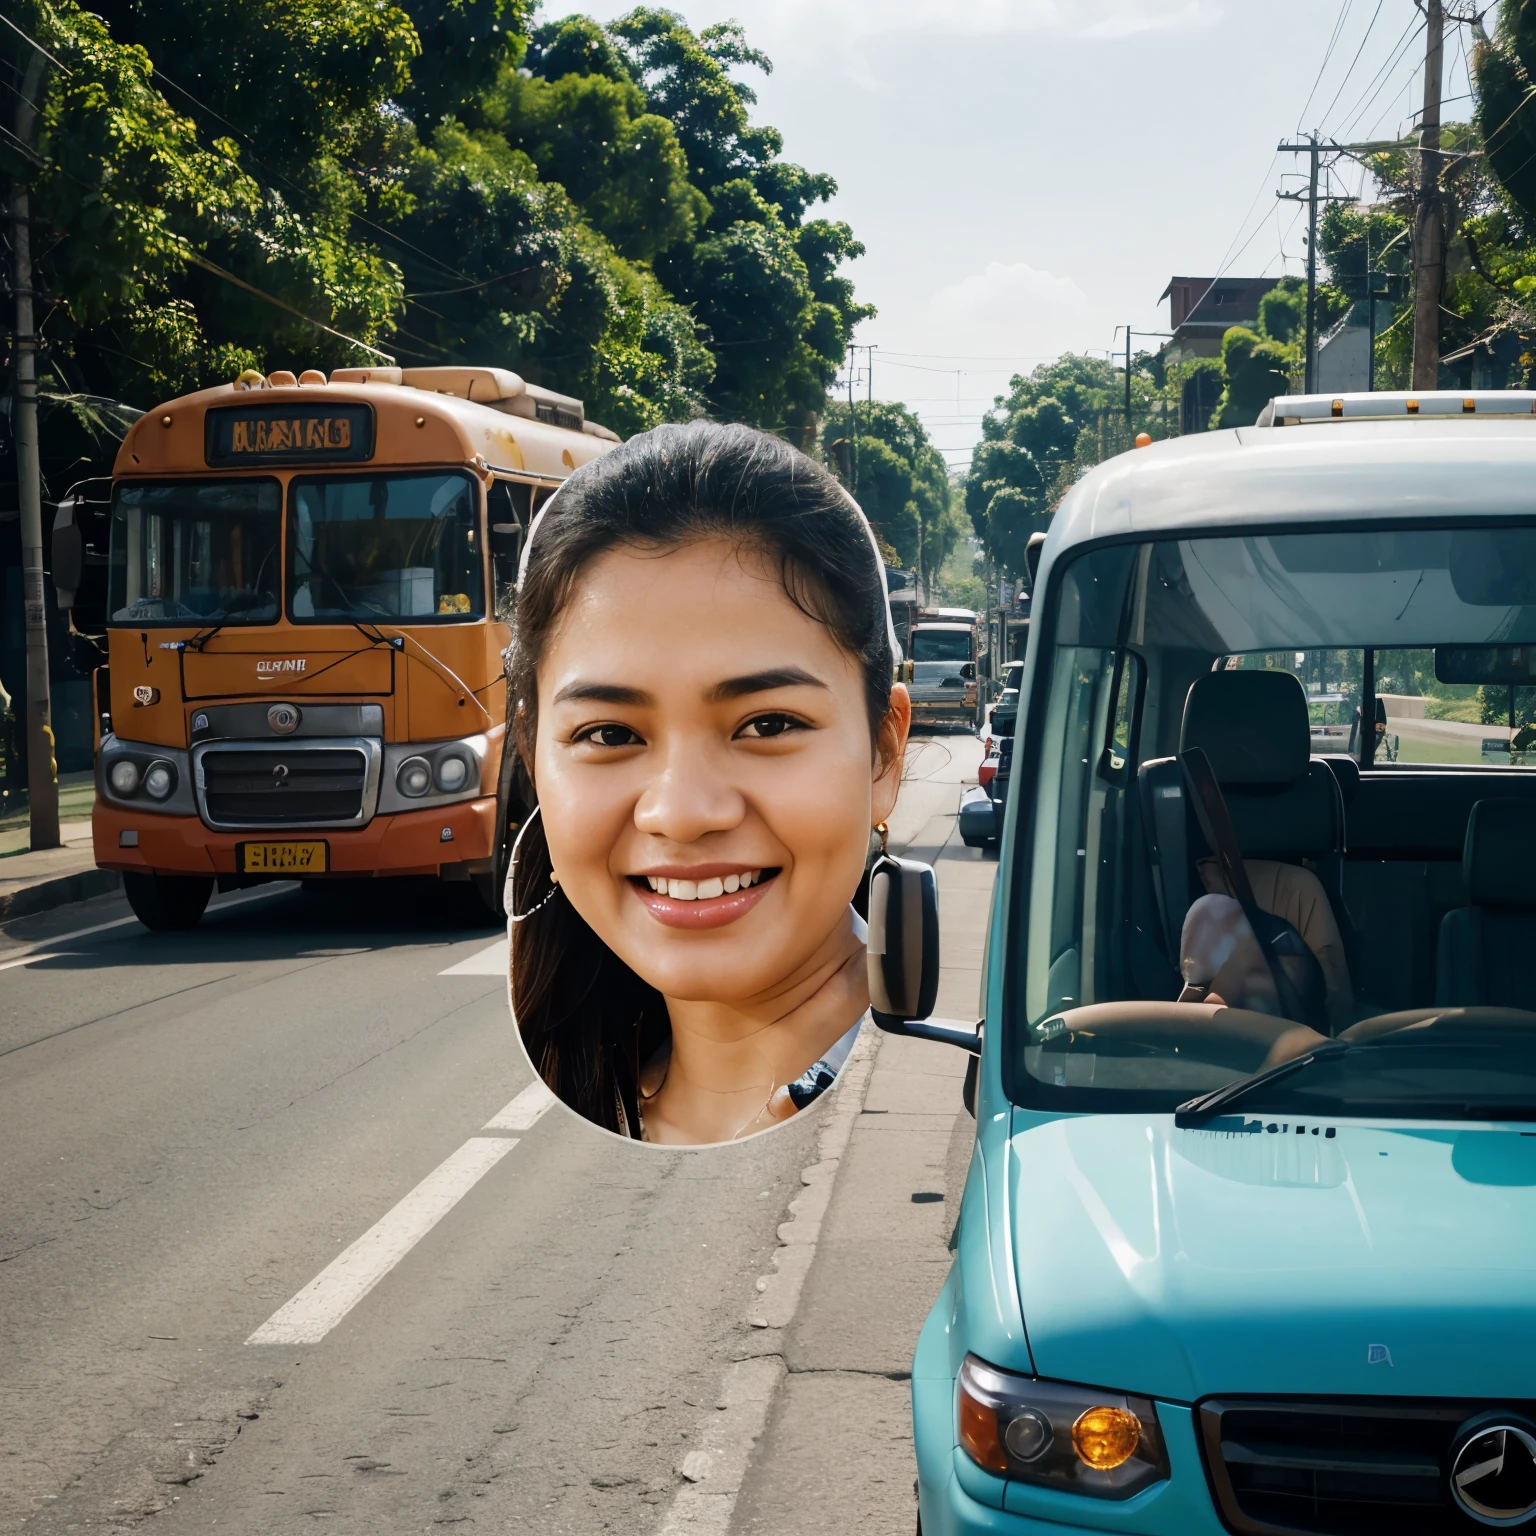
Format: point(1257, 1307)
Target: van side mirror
point(1032, 557)
point(904, 953)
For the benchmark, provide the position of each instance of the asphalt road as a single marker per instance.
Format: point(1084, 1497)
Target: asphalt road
point(285, 1125)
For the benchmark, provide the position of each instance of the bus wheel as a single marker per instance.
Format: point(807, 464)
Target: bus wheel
point(165, 903)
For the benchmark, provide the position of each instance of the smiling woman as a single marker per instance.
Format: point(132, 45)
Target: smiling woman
point(702, 662)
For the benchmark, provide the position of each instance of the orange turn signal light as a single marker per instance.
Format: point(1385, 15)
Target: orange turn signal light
point(981, 1435)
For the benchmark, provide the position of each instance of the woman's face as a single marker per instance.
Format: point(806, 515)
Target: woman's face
point(705, 770)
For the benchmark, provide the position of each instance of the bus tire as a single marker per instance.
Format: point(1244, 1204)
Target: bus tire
point(168, 903)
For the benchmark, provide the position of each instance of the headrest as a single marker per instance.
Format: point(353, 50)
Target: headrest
point(1500, 853)
point(1253, 726)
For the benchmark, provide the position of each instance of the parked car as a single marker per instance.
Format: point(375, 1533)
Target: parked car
point(1248, 1239)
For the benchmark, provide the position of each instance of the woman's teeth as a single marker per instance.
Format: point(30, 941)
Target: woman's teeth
point(703, 890)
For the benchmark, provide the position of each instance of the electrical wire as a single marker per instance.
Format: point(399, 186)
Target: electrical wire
point(1322, 68)
point(1380, 78)
point(1375, 15)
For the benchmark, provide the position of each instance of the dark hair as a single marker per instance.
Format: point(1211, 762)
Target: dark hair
point(588, 1021)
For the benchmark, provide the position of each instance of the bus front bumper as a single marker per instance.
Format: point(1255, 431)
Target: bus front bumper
point(426, 842)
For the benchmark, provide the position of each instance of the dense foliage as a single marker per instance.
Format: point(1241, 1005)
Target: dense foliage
point(291, 183)
point(882, 452)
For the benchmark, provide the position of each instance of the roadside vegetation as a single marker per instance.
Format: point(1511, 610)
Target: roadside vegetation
point(291, 183)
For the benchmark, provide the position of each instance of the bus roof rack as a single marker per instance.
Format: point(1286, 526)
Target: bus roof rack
point(1396, 405)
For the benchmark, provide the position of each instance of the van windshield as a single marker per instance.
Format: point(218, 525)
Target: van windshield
point(1273, 789)
point(371, 548)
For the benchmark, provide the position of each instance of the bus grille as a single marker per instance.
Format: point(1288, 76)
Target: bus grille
point(1357, 1467)
point(302, 788)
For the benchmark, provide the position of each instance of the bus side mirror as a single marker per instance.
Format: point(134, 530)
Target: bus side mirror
point(67, 557)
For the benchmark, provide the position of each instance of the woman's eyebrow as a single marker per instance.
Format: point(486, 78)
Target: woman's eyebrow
point(763, 682)
point(603, 693)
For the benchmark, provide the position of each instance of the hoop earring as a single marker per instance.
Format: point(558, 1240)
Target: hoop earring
point(883, 828)
point(554, 880)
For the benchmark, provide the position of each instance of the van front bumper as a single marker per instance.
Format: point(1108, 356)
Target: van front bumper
point(410, 843)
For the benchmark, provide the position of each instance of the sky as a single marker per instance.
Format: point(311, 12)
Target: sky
point(1026, 175)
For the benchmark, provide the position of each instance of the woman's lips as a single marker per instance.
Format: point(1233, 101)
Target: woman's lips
point(706, 912)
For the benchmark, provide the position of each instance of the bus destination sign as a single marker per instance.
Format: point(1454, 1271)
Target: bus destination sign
point(290, 434)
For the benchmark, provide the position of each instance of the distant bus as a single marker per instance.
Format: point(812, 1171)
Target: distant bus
point(942, 670)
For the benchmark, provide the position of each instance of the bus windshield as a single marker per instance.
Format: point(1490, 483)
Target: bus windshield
point(364, 548)
point(194, 552)
point(941, 645)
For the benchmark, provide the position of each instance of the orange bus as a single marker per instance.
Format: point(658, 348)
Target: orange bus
point(306, 595)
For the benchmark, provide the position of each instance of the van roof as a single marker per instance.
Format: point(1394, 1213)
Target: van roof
point(1372, 460)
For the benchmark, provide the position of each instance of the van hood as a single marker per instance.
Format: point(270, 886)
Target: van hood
point(1270, 1256)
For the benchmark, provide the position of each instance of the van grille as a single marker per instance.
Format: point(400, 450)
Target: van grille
point(1349, 1467)
point(302, 788)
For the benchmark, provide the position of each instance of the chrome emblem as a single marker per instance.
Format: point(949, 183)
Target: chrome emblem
point(283, 719)
point(1493, 1474)
point(280, 776)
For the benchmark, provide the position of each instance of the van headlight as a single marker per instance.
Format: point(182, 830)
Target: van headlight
point(414, 778)
point(452, 773)
point(1107, 1445)
point(159, 781)
point(124, 777)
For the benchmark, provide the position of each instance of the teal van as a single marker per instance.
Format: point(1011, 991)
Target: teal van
point(1248, 1241)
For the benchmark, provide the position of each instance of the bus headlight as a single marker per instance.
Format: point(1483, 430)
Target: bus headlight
point(1107, 1445)
point(124, 777)
point(414, 778)
point(452, 773)
point(159, 781)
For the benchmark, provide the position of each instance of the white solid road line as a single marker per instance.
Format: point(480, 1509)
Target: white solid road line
point(352, 1274)
point(349, 1277)
point(42, 947)
point(494, 960)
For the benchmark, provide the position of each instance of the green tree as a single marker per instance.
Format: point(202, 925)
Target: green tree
point(902, 482)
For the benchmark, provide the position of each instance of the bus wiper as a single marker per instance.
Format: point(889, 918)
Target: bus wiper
point(1197, 1111)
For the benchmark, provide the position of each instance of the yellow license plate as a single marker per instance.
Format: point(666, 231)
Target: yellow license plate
point(310, 858)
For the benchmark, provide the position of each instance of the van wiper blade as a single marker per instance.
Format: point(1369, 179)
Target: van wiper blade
point(1208, 1105)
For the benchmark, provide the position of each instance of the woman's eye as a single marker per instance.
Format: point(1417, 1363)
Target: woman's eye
point(609, 736)
point(763, 726)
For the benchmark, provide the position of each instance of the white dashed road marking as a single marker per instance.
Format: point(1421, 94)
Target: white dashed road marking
point(349, 1277)
point(491, 961)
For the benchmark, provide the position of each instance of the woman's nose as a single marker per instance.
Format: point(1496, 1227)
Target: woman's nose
point(689, 797)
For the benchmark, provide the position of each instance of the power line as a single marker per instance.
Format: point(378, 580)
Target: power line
point(1379, 79)
point(1322, 68)
point(1354, 61)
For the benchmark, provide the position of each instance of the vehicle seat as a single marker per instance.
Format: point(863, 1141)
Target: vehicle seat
point(1286, 808)
point(1484, 952)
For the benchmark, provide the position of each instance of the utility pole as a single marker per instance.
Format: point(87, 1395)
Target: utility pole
point(1370, 312)
point(1313, 149)
point(1127, 375)
point(1429, 220)
point(42, 780)
point(853, 431)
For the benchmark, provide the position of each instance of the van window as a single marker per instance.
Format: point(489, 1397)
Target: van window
point(1408, 627)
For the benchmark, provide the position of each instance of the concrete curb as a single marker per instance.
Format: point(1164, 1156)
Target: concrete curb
point(59, 891)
